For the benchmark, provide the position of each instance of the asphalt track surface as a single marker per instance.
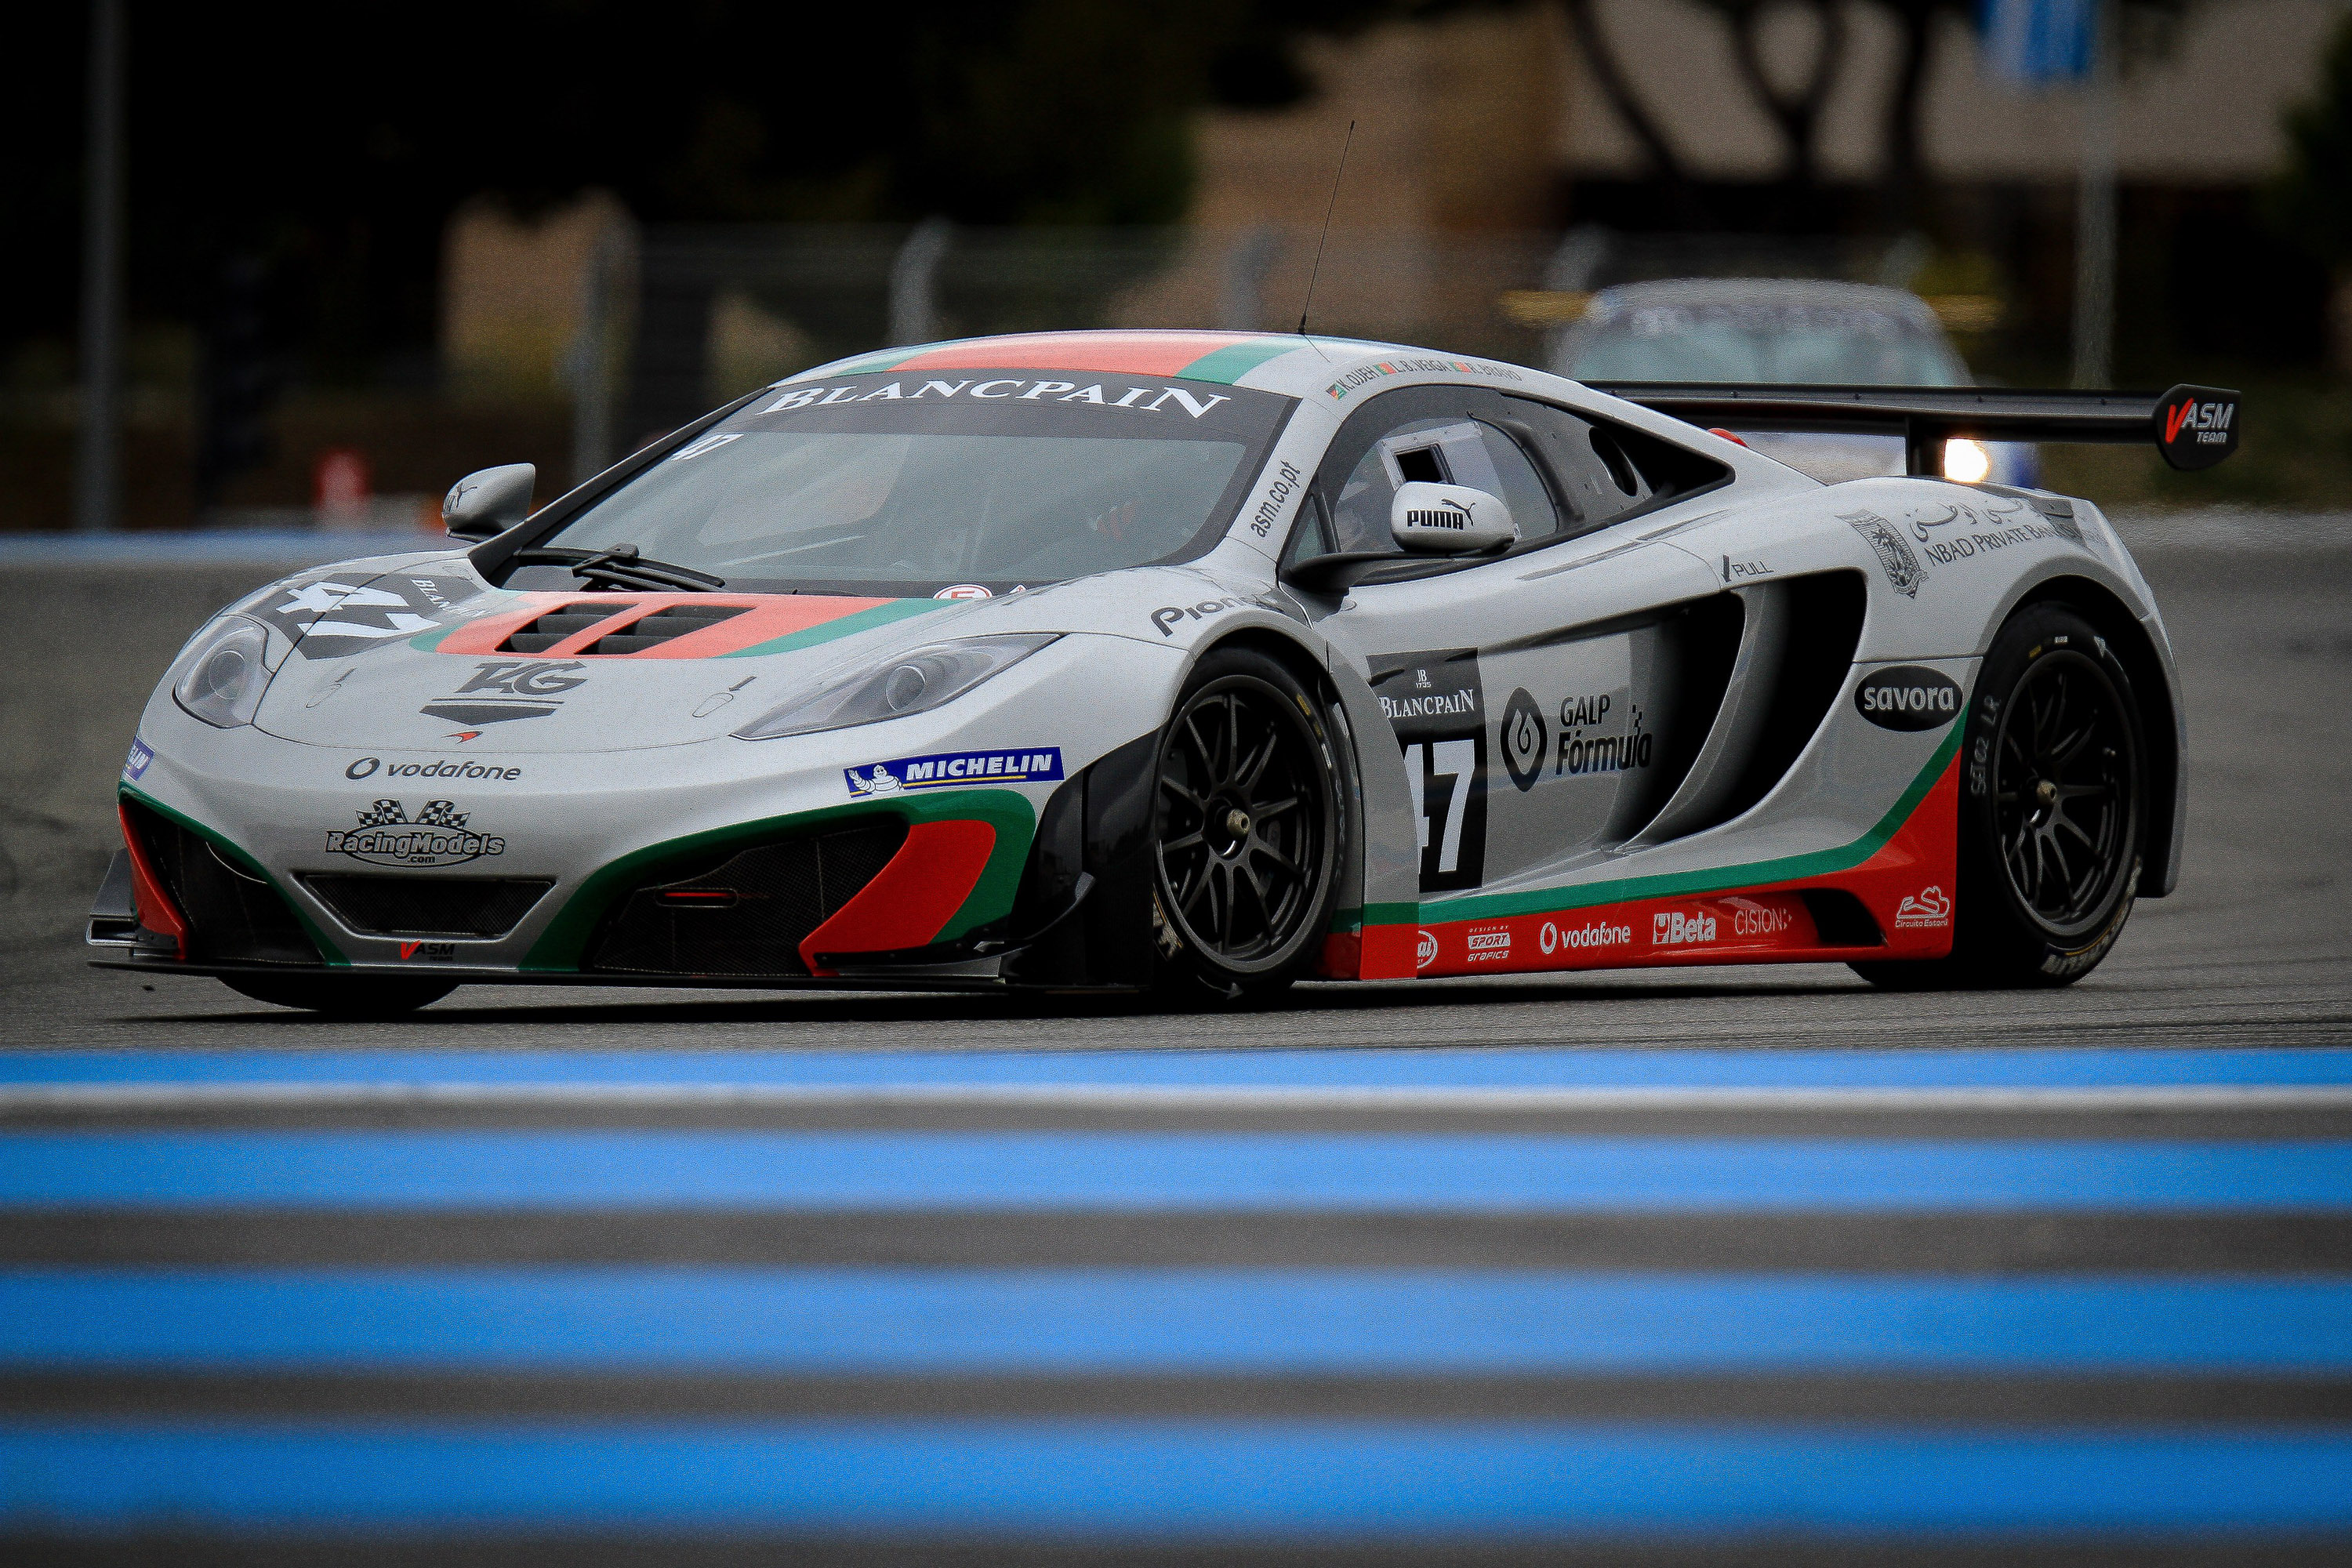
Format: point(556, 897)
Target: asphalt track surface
point(1755, 1266)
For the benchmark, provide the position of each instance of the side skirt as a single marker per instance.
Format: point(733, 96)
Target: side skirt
point(1896, 904)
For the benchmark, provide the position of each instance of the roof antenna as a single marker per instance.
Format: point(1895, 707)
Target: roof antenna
point(1316, 271)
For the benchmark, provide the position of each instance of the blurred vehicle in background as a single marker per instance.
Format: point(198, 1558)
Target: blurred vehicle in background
point(1786, 330)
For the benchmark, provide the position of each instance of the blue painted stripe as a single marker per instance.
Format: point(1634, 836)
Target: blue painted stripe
point(1540, 1069)
point(1202, 1480)
point(1131, 1171)
point(920, 1321)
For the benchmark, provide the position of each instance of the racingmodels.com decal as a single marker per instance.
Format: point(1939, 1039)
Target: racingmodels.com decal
point(951, 770)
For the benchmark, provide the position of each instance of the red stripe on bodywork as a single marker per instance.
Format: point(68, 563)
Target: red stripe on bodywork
point(1906, 887)
point(157, 912)
point(1114, 353)
point(766, 617)
point(916, 895)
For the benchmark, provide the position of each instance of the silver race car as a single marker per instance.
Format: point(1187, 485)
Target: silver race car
point(1189, 663)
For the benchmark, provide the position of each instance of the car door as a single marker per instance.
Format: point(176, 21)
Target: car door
point(1542, 701)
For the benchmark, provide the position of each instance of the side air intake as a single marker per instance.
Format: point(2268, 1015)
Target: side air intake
point(1797, 642)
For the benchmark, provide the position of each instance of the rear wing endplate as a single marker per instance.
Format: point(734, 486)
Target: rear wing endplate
point(2193, 426)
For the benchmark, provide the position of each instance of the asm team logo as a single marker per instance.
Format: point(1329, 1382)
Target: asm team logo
point(1932, 907)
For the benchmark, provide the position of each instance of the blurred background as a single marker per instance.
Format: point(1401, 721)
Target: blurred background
point(293, 266)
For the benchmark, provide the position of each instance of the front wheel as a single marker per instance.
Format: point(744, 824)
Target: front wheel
point(355, 998)
point(2052, 812)
point(1246, 831)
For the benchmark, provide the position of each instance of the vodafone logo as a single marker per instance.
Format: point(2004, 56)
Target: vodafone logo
point(1593, 933)
point(1425, 954)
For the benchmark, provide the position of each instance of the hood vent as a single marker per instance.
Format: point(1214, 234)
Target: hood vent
point(628, 636)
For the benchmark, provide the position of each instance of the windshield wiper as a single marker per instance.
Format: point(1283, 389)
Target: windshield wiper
point(622, 567)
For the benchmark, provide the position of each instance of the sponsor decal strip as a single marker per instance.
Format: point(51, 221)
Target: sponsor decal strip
point(1901, 871)
point(1714, 879)
point(954, 770)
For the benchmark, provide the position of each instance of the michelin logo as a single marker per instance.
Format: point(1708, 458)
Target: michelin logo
point(949, 770)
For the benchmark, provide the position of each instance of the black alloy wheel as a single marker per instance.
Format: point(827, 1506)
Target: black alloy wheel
point(2052, 811)
point(2063, 799)
point(1245, 829)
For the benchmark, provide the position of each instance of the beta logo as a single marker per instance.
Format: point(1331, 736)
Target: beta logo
point(1908, 696)
point(1931, 907)
point(1669, 929)
point(1425, 951)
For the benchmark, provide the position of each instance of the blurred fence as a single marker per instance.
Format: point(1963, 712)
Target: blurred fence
point(720, 309)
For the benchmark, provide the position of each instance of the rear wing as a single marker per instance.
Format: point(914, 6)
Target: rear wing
point(2193, 426)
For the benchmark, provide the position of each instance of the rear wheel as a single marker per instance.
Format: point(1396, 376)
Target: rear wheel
point(2052, 810)
point(1245, 831)
point(354, 998)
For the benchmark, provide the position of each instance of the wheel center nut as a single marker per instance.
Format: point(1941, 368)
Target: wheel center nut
point(1238, 823)
point(2045, 793)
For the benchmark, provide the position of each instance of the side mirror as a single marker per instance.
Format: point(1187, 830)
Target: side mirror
point(488, 501)
point(1449, 520)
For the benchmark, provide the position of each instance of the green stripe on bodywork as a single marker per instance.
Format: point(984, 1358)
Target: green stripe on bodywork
point(1235, 361)
point(251, 867)
point(861, 621)
point(1714, 879)
point(890, 361)
point(563, 946)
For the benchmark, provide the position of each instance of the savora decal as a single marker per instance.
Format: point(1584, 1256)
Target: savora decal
point(1908, 696)
point(1438, 707)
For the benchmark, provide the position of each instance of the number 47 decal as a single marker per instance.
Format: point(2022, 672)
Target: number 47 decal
point(1440, 764)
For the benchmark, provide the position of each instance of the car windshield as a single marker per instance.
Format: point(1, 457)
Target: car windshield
point(1755, 341)
point(903, 485)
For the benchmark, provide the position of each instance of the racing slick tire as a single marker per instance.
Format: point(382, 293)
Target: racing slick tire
point(356, 999)
point(2052, 800)
point(1247, 832)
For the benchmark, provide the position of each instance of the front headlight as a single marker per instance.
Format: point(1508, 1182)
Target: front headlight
point(908, 683)
point(223, 672)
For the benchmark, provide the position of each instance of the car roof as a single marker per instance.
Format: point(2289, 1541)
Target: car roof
point(1275, 362)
